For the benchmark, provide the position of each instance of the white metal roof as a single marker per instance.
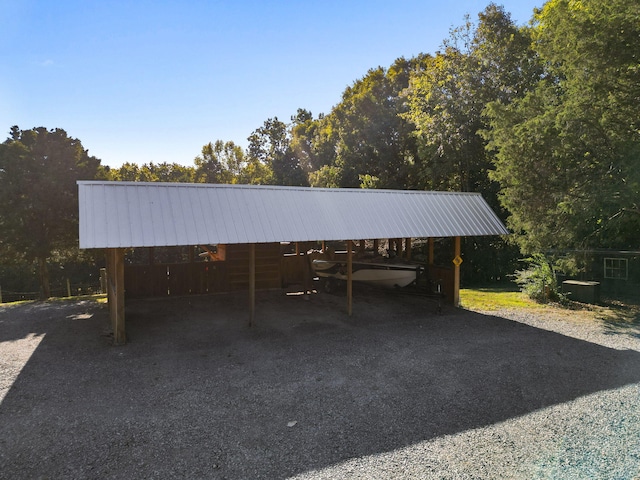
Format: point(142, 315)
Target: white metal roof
point(139, 214)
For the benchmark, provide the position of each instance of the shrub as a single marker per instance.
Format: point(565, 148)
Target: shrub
point(539, 279)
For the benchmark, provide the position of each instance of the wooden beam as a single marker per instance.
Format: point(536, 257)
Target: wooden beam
point(430, 244)
point(115, 293)
point(349, 277)
point(408, 248)
point(307, 275)
point(457, 260)
point(120, 336)
point(192, 269)
point(252, 282)
point(108, 272)
point(375, 246)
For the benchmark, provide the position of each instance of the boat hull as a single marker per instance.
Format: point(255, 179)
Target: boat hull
point(382, 275)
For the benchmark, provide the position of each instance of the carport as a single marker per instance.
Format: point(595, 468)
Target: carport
point(116, 216)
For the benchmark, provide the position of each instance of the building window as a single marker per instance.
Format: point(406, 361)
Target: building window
point(616, 268)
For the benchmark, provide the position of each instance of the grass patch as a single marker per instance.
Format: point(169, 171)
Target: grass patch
point(17, 302)
point(96, 297)
point(495, 298)
point(99, 298)
point(614, 315)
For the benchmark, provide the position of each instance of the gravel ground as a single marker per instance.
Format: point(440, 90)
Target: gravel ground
point(395, 391)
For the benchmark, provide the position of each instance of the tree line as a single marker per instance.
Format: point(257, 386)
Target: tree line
point(542, 119)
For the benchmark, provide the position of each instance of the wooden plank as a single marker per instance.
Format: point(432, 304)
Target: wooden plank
point(349, 277)
point(442, 275)
point(252, 283)
point(268, 266)
point(108, 259)
point(119, 334)
point(115, 288)
point(430, 244)
point(456, 273)
point(191, 275)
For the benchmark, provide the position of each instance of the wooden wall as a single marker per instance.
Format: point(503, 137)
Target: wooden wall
point(268, 266)
point(273, 270)
point(170, 279)
point(444, 276)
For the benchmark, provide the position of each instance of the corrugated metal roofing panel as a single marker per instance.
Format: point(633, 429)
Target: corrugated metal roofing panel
point(137, 214)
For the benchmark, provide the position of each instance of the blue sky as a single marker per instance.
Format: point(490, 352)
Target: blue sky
point(153, 81)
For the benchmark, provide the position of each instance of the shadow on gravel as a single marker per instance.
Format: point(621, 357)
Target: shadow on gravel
point(197, 394)
point(622, 318)
point(21, 320)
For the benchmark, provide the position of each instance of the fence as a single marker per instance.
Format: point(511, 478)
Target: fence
point(232, 274)
point(70, 290)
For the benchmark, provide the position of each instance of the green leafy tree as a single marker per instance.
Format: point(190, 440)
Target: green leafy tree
point(221, 162)
point(130, 172)
point(567, 153)
point(269, 146)
point(447, 114)
point(255, 173)
point(480, 64)
point(153, 172)
point(327, 176)
point(367, 134)
point(311, 143)
point(39, 196)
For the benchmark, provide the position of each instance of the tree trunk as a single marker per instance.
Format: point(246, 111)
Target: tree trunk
point(44, 278)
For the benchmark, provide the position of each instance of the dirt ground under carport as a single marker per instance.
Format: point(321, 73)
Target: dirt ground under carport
point(393, 391)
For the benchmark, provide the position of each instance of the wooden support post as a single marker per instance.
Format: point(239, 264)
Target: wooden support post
point(399, 247)
point(324, 246)
point(430, 244)
point(103, 280)
point(457, 260)
point(307, 275)
point(297, 248)
point(115, 293)
point(252, 282)
point(192, 269)
point(120, 336)
point(375, 246)
point(361, 246)
point(68, 288)
point(349, 277)
point(408, 248)
point(108, 270)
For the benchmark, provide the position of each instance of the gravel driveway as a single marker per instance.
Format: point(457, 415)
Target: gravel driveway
point(395, 391)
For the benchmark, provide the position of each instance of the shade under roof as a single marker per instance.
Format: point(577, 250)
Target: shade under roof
point(139, 214)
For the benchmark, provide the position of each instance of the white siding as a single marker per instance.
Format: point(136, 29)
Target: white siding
point(130, 214)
